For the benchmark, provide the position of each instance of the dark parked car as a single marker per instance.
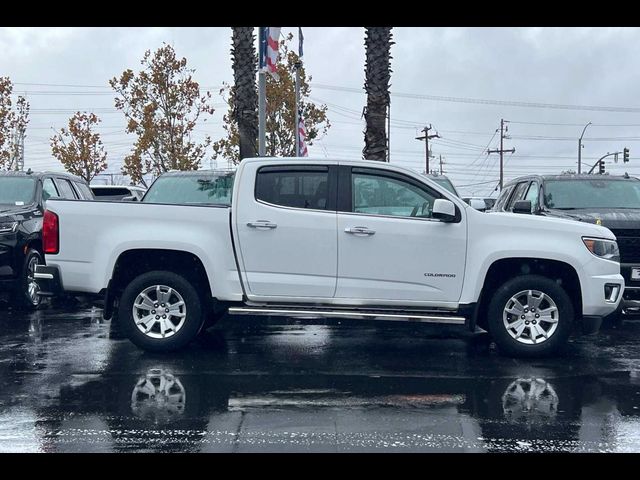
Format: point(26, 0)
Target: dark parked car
point(22, 202)
point(608, 200)
point(117, 192)
point(199, 186)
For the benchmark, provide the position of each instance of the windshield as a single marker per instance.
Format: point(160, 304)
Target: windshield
point(208, 188)
point(446, 183)
point(17, 190)
point(597, 193)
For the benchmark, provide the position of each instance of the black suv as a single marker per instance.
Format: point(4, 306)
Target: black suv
point(608, 200)
point(22, 202)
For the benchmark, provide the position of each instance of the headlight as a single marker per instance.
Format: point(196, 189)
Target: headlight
point(607, 249)
point(9, 227)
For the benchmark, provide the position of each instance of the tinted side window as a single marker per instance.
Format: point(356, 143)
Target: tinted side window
point(308, 188)
point(380, 195)
point(49, 189)
point(84, 190)
point(66, 190)
point(502, 200)
point(517, 195)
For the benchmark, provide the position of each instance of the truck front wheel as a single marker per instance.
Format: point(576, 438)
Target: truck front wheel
point(530, 316)
point(160, 311)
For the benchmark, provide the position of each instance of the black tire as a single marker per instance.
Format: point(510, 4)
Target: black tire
point(24, 300)
point(557, 339)
point(193, 320)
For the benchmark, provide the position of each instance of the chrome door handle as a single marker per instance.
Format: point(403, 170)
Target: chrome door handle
point(261, 224)
point(359, 231)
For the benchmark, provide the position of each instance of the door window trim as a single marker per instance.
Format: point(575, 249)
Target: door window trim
point(345, 196)
point(332, 184)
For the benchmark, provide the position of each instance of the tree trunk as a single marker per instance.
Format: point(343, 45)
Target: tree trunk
point(244, 59)
point(377, 76)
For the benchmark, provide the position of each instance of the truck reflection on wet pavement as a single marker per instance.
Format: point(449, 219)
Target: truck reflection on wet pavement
point(70, 383)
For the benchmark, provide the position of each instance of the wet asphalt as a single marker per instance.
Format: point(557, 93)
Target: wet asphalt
point(70, 383)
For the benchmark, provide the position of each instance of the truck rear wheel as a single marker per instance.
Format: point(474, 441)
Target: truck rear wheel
point(530, 316)
point(160, 311)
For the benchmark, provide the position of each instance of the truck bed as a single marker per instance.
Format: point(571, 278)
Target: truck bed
point(89, 249)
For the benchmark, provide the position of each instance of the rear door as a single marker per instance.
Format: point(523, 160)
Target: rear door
point(285, 223)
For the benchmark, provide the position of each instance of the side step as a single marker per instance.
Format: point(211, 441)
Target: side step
point(360, 314)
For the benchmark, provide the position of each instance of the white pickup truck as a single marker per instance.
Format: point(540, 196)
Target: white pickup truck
point(328, 238)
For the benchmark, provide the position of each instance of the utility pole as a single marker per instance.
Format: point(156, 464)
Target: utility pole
point(426, 138)
point(502, 150)
point(441, 164)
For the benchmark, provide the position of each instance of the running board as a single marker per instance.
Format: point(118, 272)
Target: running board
point(365, 315)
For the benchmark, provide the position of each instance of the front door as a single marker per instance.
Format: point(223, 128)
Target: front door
point(390, 249)
point(286, 226)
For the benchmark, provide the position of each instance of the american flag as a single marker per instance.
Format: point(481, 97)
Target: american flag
point(302, 134)
point(269, 50)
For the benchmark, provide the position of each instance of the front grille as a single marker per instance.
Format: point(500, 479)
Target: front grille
point(629, 245)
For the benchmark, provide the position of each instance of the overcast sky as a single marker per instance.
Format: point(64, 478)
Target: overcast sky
point(460, 80)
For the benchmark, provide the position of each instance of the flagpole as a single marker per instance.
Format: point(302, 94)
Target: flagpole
point(262, 112)
point(297, 125)
point(262, 94)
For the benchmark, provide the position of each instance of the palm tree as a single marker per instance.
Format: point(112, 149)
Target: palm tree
point(245, 94)
point(377, 75)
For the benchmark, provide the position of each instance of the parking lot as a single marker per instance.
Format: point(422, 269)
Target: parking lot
point(69, 382)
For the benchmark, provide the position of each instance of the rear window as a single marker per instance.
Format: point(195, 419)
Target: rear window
point(305, 187)
point(111, 192)
point(208, 189)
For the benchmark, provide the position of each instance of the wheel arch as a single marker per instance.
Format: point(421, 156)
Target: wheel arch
point(134, 262)
point(506, 268)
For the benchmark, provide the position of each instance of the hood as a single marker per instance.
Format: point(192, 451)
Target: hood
point(540, 223)
point(616, 218)
point(13, 213)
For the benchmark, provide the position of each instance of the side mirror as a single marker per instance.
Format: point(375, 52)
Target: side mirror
point(130, 198)
point(522, 206)
point(478, 204)
point(443, 209)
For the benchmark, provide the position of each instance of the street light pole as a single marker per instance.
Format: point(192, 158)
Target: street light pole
point(580, 148)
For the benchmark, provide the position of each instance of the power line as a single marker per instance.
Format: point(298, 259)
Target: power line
point(579, 124)
point(485, 101)
point(474, 184)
